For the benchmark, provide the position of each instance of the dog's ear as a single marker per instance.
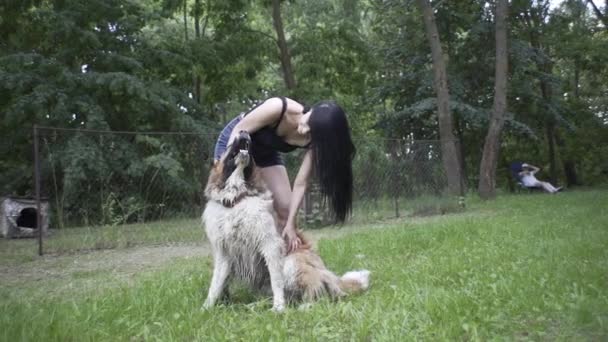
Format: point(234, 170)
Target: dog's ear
point(217, 166)
point(215, 174)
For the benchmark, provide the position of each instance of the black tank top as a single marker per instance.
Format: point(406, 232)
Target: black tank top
point(266, 140)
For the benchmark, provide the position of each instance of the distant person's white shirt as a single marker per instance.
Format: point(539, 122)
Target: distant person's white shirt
point(529, 180)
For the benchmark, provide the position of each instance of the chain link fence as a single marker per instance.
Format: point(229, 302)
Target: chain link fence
point(121, 189)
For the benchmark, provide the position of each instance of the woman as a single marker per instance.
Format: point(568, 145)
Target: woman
point(280, 124)
point(529, 180)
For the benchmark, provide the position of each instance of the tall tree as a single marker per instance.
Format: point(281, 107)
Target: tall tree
point(491, 148)
point(573, 28)
point(197, 10)
point(285, 57)
point(601, 16)
point(185, 12)
point(449, 149)
point(535, 20)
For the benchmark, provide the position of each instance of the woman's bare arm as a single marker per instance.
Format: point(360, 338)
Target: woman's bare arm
point(299, 186)
point(265, 114)
point(299, 189)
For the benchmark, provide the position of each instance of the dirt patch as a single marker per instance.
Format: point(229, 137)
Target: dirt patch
point(94, 270)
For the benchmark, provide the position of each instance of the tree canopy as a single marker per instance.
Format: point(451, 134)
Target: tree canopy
point(192, 65)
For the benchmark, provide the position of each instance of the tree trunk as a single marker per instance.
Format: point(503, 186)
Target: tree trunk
point(197, 18)
point(491, 147)
point(547, 93)
point(569, 164)
point(284, 56)
point(577, 78)
point(462, 154)
point(185, 14)
point(599, 14)
point(449, 150)
point(534, 24)
point(570, 173)
point(550, 128)
point(197, 34)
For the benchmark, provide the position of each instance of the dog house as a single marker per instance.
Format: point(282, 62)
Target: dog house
point(19, 216)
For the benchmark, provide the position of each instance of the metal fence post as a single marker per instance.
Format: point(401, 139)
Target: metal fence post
point(37, 182)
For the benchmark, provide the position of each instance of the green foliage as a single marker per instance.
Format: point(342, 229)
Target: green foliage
point(370, 166)
point(546, 45)
point(78, 65)
point(191, 65)
point(332, 56)
point(100, 178)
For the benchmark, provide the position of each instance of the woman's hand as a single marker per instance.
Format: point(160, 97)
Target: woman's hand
point(291, 238)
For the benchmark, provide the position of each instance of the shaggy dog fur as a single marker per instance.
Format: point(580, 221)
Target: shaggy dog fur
point(240, 225)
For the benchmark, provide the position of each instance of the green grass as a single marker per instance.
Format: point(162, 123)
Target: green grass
point(367, 211)
point(189, 231)
point(523, 267)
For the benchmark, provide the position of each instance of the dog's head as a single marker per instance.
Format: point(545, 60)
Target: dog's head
point(234, 176)
point(238, 157)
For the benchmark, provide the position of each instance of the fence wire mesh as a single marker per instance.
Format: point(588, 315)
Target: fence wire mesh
point(121, 189)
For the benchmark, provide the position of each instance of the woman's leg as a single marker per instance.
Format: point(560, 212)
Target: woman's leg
point(548, 187)
point(277, 180)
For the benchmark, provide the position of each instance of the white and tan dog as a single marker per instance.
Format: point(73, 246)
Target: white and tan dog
point(240, 225)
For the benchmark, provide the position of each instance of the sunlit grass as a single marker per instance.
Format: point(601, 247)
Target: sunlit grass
point(521, 267)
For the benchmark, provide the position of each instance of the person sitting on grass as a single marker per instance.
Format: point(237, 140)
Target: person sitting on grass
point(528, 179)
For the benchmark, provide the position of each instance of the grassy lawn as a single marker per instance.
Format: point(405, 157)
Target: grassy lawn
point(524, 267)
point(180, 231)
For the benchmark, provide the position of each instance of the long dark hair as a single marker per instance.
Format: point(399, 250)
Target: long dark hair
point(333, 152)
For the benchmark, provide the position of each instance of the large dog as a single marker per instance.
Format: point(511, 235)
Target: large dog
point(240, 224)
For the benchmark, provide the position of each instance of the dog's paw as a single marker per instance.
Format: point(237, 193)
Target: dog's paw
point(207, 305)
point(278, 308)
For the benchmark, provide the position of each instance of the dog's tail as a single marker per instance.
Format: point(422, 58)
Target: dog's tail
point(355, 281)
